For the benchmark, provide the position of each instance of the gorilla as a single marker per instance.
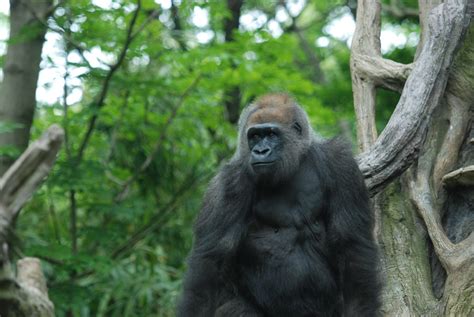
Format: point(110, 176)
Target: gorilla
point(285, 228)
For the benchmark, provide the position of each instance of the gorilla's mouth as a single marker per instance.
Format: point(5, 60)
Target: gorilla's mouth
point(263, 163)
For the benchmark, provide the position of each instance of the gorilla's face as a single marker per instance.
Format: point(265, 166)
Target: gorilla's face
point(265, 146)
point(274, 151)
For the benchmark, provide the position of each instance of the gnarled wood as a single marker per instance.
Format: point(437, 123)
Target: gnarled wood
point(26, 294)
point(399, 143)
point(383, 72)
point(463, 176)
point(430, 127)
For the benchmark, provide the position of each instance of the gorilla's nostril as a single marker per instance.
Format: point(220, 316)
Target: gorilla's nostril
point(264, 151)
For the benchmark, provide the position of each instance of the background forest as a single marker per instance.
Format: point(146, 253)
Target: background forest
point(148, 93)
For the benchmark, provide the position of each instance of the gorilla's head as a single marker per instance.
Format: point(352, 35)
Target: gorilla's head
point(274, 134)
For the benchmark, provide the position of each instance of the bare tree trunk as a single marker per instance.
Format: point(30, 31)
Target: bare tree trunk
point(424, 219)
point(21, 69)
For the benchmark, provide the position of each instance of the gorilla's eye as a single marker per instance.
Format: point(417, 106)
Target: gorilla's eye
point(297, 127)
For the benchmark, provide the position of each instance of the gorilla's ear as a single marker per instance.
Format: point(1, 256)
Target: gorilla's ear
point(297, 127)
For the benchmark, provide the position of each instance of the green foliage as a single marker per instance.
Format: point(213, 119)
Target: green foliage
point(128, 201)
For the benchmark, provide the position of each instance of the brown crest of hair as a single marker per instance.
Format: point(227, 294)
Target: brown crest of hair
point(276, 107)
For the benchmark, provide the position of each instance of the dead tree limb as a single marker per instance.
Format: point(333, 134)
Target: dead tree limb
point(26, 294)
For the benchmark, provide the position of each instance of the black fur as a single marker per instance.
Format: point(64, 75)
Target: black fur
point(299, 246)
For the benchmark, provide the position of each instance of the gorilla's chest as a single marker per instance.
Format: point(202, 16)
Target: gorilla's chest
point(277, 211)
point(282, 219)
point(295, 205)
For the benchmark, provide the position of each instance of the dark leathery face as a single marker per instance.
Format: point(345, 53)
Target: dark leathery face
point(264, 144)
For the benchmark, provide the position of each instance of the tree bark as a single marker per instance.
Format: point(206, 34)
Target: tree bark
point(424, 219)
point(26, 293)
point(398, 146)
point(20, 73)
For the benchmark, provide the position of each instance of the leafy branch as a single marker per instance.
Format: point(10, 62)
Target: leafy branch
point(100, 99)
point(158, 144)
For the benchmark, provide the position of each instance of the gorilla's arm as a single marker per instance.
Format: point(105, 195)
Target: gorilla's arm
point(208, 292)
point(350, 226)
point(219, 228)
point(200, 289)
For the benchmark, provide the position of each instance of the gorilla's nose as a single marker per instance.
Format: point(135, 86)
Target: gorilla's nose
point(263, 152)
point(261, 155)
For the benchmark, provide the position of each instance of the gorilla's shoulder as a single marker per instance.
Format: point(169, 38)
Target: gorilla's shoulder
point(337, 146)
point(336, 153)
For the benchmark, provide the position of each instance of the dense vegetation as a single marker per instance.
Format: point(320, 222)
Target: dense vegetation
point(143, 93)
